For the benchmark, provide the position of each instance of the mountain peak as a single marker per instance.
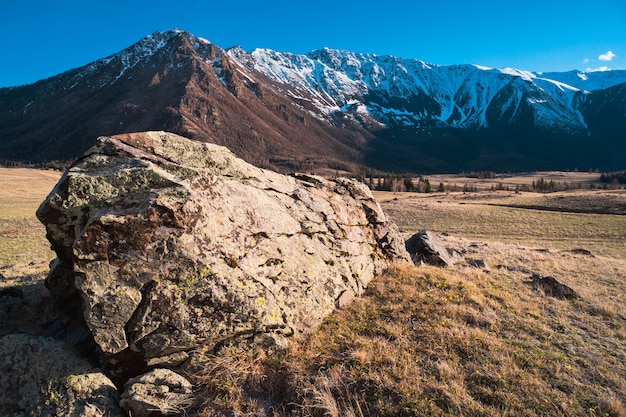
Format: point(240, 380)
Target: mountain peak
point(325, 108)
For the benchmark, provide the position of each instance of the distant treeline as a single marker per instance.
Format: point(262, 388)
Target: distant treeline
point(57, 165)
point(411, 183)
point(480, 174)
point(395, 183)
point(613, 178)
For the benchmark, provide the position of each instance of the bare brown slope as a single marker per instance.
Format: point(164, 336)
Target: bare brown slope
point(260, 125)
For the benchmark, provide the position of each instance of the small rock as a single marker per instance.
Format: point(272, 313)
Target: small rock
point(271, 341)
point(553, 288)
point(580, 251)
point(344, 299)
point(477, 263)
point(428, 248)
point(168, 361)
point(160, 392)
point(515, 268)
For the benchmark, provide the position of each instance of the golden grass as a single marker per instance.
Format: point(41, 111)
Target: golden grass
point(500, 217)
point(23, 241)
point(427, 341)
point(513, 180)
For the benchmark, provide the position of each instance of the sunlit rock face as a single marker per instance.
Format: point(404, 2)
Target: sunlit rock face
point(169, 244)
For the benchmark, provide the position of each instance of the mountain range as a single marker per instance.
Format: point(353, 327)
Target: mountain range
point(325, 111)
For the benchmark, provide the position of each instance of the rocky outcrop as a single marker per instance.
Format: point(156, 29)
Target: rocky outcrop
point(170, 244)
point(41, 376)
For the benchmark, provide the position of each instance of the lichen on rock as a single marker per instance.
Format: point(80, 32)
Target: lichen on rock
point(42, 376)
point(171, 244)
point(158, 392)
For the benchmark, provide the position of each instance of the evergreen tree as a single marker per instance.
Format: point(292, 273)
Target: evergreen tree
point(408, 183)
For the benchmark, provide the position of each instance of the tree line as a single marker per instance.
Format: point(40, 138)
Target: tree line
point(613, 177)
point(395, 182)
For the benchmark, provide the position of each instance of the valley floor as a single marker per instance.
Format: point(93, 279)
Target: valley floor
point(475, 339)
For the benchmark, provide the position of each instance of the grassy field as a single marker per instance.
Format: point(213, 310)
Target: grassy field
point(512, 180)
point(593, 219)
point(23, 245)
point(428, 341)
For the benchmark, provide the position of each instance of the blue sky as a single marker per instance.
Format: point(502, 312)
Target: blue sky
point(43, 38)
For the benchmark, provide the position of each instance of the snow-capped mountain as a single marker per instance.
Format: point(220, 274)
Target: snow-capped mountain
point(327, 108)
point(413, 93)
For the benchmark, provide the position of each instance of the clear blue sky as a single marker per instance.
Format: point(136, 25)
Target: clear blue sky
point(42, 38)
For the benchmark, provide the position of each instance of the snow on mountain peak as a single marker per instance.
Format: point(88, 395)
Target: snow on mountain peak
point(393, 91)
point(525, 75)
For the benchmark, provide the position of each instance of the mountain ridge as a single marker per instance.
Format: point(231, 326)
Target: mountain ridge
point(325, 110)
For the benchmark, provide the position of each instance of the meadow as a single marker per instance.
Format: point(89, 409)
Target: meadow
point(427, 341)
point(462, 341)
point(23, 245)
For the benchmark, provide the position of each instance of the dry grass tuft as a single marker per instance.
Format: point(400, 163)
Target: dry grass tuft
point(243, 379)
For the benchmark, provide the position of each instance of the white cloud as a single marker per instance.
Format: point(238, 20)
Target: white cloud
point(607, 57)
point(586, 61)
point(603, 68)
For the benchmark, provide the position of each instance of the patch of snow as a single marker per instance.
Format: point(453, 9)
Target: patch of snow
point(525, 75)
point(297, 96)
point(144, 49)
point(362, 109)
point(27, 106)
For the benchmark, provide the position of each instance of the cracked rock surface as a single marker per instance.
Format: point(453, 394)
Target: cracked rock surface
point(169, 244)
point(42, 376)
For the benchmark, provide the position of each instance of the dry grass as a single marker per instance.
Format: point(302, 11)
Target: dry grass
point(513, 180)
point(428, 341)
point(466, 342)
point(528, 218)
point(23, 244)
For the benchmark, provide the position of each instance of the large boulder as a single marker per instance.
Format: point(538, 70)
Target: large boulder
point(167, 244)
